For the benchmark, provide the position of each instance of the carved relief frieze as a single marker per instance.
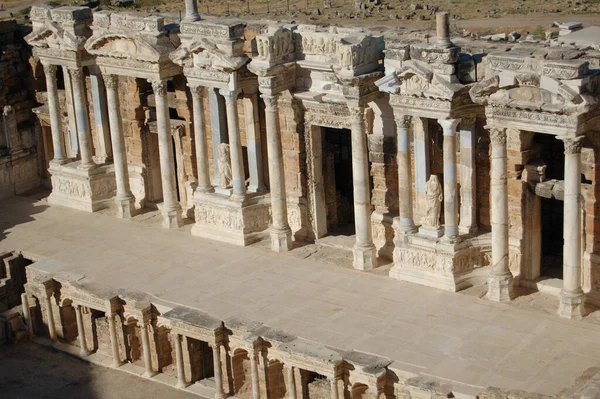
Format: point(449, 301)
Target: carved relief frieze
point(539, 118)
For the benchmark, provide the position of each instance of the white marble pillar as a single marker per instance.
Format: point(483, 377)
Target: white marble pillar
point(170, 208)
point(253, 143)
point(104, 150)
point(204, 185)
point(219, 394)
point(291, 382)
point(181, 383)
point(406, 224)
point(124, 199)
point(218, 127)
point(191, 11)
point(84, 133)
point(421, 149)
point(254, 373)
point(83, 349)
point(70, 107)
point(281, 233)
point(468, 176)
point(364, 250)
point(114, 343)
point(148, 372)
point(500, 279)
point(50, 317)
point(334, 388)
point(238, 178)
point(27, 314)
point(572, 299)
point(58, 143)
point(450, 186)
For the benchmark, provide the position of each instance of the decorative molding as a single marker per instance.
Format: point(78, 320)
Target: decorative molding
point(572, 146)
point(497, 136)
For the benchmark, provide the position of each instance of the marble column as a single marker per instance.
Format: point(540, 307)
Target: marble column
point(104, 150)
point(254, 373)
point(83, 349)
point(218, 127)
point(572, 299)
point(450, 186)
point(27, 314)
point(124, 199)
point(204, 185)
point(406, 224)
point(50, 317)
point(421, 134)
point(148, 372)
point(114, 343)
point(170, 209)
point(334, 388)
point(219, 394)
point(84, 133)
point(70, 107)
point(281, 233)
point(191, 11)
point(500, 279)
point(364, 250)
point(468, 176)
point(181, 383)
point(238, 178)
point(58, 143)
point(291, 382)
point(253, 143)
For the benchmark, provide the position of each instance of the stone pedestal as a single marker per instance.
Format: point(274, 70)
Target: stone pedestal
point(84, 189)
point(236, 222)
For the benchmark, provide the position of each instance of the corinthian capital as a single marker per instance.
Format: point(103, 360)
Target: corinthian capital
point(159, 87)
point(497, 136)
point(270, 101)
point(76, 73)
point(230, 95)
point(50, 70)
point(196, 90)
point(357, 114)
point(572, 145)
point(402, 121)
point(111, 81)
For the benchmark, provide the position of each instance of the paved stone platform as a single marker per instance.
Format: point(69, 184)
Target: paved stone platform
point(447, 335)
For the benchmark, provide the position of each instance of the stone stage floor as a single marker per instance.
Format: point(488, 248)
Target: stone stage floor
point(452, 336)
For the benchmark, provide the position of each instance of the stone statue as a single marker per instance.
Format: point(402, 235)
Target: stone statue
point(224, 166)
point(434, 197)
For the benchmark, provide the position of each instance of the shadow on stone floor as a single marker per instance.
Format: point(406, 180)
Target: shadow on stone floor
point(20, 209)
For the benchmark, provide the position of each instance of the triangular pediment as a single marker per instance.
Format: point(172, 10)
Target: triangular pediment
point(118, 45)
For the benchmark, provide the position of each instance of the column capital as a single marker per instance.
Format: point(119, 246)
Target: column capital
point(50, 69)
point(449, 126)
point(572, 145)
point(111, 81)
point(497, 135)
point(468, 120)
point(159, 87)
point(76, 73)
point(196, 90)
point(271, 101)
point(357, 113)
point(230, 95)
point(402, 121)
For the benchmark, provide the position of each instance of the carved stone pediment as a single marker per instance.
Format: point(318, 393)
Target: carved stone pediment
point(53, 36)
point(121, 45)
point(206, 54)
point(62, 28)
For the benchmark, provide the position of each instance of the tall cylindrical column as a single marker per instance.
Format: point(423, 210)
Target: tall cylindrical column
point(571, 296)
point(124, 199)
point(364, 249)
point(334, 388)
point(468, 176)
point(82, 120)
point(254, 374)
point(500, 279)
point(281, 233)
point(50, 317)
point(171, 210)
point(179, 361)
point(148, 372)
point(114, 343)
point(204, 185)
point(58, 144)
point(443, 29)
point(83, 349)
point(191, 11)
point(238, 178)
point(450, 187)
point(219, 394)
point(291, 382)
point(27, 314)
point(406, 224)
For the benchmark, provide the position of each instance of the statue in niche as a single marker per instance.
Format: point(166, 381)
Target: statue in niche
point(434, 197)
point(224, 166)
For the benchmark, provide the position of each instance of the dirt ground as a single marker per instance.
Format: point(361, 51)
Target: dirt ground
point(29, 370)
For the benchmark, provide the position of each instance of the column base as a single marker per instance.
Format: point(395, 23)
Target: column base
point(84, 353)
point(149, 374)
point(365, 258)
point(59, 161)
point(172, 218)
point(116, 365)
point(281, 240)
point(125, 207)
point(182, 386)
point(500, 288)
point(435, 232)
point(571, 306)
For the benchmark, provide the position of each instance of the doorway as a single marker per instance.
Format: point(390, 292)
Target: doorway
point(551, 264)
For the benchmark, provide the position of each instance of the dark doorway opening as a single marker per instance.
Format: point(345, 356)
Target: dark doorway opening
point(339, 187)
point(175, 169)
point(552, 238)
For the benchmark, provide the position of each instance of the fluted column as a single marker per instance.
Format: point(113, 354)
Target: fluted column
point(572, 299)
point(171, 210)
point(500, 279)
point(238, 177)
point(450, 187)
point(219, 394)
point(50, 317)
point(281, 233)
point(254, 373)
point(114, 343)
point(406, 224)
point(468, 176)
point(83, 349)
point(124, 199)
point(181, 383)
point(364, 249)
point(291, 382)
point(58, 143)
point(191, 11)
point(200, 140)
point(148, 372)
point(82, 120)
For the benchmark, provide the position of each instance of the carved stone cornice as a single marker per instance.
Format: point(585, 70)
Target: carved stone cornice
point(111, 81)
point(196, 90)
point(497, 136)
point(270, 101)
point(159, 87)
point(402, 121)
point(572, 145)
